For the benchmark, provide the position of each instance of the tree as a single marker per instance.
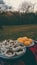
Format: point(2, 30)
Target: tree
point(26, 7)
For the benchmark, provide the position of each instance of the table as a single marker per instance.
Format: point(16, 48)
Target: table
point(29, 58)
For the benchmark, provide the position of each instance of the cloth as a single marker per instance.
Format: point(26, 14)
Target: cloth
point(34, 51)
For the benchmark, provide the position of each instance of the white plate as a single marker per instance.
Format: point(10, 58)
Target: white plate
point(12, 57)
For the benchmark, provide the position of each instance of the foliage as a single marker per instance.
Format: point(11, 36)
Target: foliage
point(16, 18)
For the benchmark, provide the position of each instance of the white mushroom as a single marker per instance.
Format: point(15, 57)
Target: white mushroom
point(20, 51)
point(4, 41)
point(9, 53)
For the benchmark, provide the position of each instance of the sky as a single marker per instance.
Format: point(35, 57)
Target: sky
point(1, 1)
point(13, 3)
point(16, 3)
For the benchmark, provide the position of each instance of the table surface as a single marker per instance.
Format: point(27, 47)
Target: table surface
point(29, 58)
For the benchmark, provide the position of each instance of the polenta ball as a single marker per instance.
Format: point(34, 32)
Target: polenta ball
point(20, 40)
point(30, 40)
point(27, 43)
point(25, 39)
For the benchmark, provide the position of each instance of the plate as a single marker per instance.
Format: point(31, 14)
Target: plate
point(12, 57)
point(33, 43)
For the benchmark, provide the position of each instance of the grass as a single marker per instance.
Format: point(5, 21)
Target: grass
point(13, 32)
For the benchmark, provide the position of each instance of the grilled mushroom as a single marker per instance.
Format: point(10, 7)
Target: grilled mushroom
point(9, 53)
point(20, 51)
